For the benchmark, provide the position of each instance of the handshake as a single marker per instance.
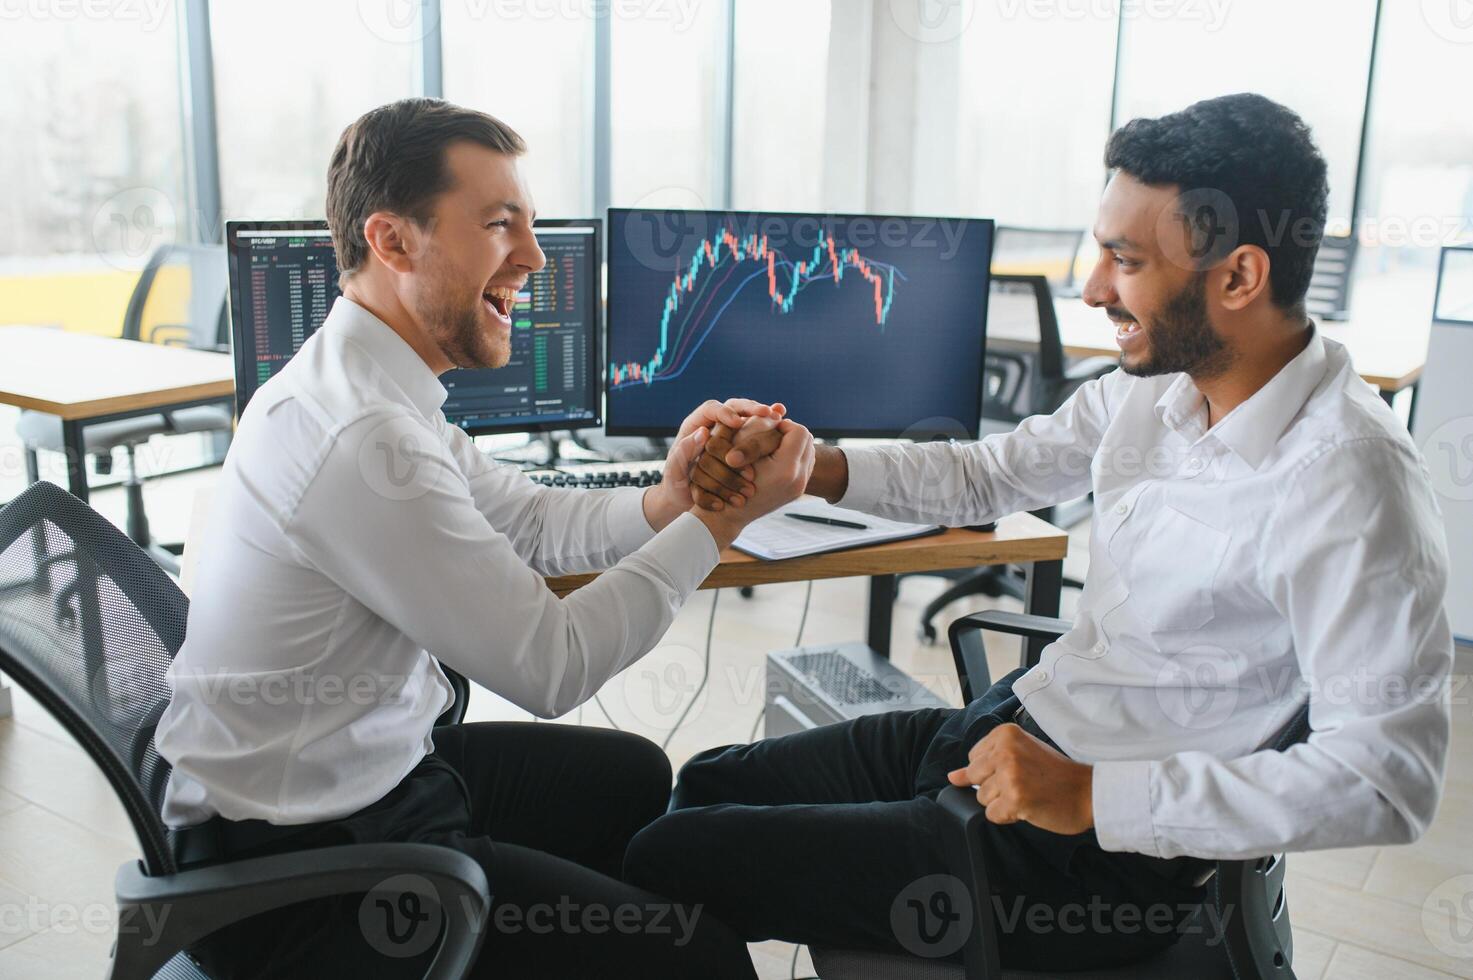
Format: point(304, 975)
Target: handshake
point(735, 461)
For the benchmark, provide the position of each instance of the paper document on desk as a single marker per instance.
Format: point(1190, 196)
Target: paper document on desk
point(777, 536)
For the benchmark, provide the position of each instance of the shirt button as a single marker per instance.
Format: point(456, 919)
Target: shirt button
point(1122, 509)
point(1194, 465)
point(1100, 647)
point(1043, 677)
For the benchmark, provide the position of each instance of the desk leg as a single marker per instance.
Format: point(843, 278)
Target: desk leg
point(1041, 598)
point(881, 608)
point(75, 451)
point(1412, 408)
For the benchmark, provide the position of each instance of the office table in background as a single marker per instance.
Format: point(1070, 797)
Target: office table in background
point(1020, 539)
point(83, 379)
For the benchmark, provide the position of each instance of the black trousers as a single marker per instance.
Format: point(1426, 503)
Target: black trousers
point(831, 837)
point(547, 811)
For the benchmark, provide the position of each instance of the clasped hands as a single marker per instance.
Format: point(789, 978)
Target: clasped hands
point(735, 461)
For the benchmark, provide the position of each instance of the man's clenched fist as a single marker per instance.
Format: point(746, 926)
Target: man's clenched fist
point(1019, 777)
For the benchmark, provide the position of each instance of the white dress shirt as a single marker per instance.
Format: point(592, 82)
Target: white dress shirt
point(1292, 552)
point(354, 530)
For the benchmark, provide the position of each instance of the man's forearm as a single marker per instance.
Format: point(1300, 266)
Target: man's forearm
point(830, 479)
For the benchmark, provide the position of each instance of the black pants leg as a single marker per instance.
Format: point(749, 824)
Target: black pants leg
point(828, 837)
point(547, 811)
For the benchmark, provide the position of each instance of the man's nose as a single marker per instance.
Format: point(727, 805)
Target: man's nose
point(1099, 289)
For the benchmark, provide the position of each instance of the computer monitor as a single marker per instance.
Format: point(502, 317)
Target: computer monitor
point(284, 279)
point(863, 325)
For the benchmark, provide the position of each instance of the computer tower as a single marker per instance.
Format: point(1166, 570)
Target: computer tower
point(822, 684)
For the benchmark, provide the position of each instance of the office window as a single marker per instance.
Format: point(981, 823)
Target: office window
point(533, 71)
point(1310, 55)
point(289, 77)
point(779, 98)
point(667, 60)
point(93, 160)
point(1032, 116)
point(1418, 185)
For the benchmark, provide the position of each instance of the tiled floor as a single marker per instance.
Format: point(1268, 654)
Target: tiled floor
point(1364, 913)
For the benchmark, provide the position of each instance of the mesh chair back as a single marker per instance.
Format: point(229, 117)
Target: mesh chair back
point(1329, 286)
point(1049, 252)
point(180, 299)
point(88, 626)
point(1016, 382)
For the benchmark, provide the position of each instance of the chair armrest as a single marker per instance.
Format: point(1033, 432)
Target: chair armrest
point(962, 820)
point(969, 654)
point(159, 916)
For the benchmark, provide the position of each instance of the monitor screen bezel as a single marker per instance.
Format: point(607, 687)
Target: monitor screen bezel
point(595, 304)
point(1437, 317)
point(974, 422)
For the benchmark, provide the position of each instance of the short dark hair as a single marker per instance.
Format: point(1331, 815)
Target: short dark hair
point(1260, 157)
point(393, 159)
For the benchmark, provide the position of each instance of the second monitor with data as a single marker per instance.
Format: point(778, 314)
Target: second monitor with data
point(284, 279)
point(862, 325)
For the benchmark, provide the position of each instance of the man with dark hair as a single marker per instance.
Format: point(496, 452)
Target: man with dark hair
point(1264, 535)
point(356, 532)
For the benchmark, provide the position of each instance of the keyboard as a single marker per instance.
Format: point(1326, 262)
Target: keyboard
point(600, 476)
point(840, 679)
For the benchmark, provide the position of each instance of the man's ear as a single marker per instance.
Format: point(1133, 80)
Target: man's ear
point(393, 239)
point(1242, 277)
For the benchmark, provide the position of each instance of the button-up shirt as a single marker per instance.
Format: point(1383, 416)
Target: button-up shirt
point(355, 532)
point(1292, 552)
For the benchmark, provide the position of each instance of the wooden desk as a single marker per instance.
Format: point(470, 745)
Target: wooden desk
point(84, 379)
point(1019, 539)
point(1387, 346)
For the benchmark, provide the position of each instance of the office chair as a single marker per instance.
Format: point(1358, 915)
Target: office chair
point(88, 626)
point(1329, 286)
point(185, 284)
point(1049, 252)
point(1258, 942)
point(1015, 385)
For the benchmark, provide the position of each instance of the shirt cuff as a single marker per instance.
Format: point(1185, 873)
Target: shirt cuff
point(627, 525)
point(687, 553)
point(1122, 807)
point(866, 478)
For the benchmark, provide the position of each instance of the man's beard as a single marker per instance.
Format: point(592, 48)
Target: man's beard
point(457, 328)
point(1180, 338)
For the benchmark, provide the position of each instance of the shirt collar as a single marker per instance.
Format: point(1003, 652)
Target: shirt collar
point(1253, 428)
point(398, 360)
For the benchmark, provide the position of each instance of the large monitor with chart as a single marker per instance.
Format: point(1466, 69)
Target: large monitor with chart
point(863, 325)
point(284, 279)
